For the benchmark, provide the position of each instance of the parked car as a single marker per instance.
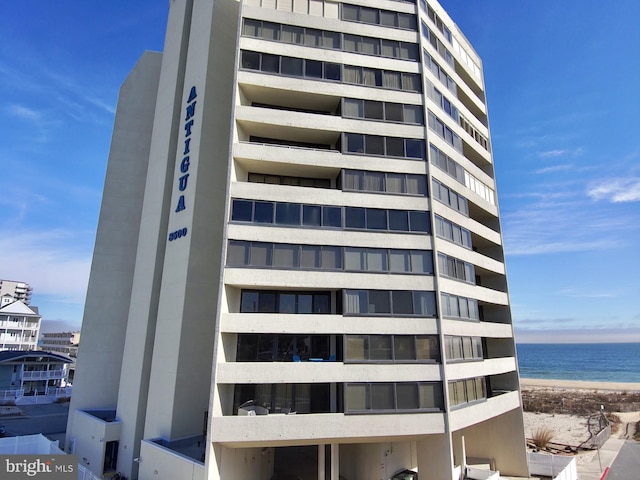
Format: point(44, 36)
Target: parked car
point(405, 475)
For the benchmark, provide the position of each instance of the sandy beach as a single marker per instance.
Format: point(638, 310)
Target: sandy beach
point(563, 407)
point(535, 383)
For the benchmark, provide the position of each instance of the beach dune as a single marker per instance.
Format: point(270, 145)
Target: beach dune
point(563, 407)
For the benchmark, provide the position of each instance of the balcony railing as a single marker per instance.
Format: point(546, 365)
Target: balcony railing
point(58, 392)
point(43, 374)
point(19, 325)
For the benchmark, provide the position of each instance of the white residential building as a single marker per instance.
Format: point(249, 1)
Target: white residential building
point(19, 326)
point(300, 216)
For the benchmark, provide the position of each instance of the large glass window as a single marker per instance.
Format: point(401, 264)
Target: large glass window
point(330, 216)
point(445, 132)
point(455, 268)
point(315, 69)
point(392, 397)
point(451, 307)
point(463, 348)
point(262, 301)
point(285, 397)
point(359, 259)
point(380, 182)
point(386, 302)
point(467, 391)
point(449, 197)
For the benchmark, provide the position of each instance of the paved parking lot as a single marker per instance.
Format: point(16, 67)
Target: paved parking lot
point(50, 420)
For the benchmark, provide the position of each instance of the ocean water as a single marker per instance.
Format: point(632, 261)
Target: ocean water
point(596, 362)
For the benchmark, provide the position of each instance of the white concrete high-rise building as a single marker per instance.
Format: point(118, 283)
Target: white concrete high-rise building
point(299, 266)
point(16, 290)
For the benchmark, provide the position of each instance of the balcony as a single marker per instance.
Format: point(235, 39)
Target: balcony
point(319, 371)
point(478, 412)
point(246, 431)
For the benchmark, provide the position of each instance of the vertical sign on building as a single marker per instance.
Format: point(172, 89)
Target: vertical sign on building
point(185, 163)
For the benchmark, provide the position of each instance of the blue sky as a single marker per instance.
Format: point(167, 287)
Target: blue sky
point(561, 82)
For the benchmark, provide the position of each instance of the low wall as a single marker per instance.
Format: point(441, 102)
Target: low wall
point(558, 467)
point(29, 445)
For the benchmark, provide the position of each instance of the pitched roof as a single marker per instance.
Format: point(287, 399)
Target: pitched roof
point(18, 308)
point(8, 356)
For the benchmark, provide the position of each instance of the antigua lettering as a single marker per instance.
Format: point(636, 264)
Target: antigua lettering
point(190, 112)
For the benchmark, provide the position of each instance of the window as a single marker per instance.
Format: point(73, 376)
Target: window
point(443, 102)
point(449, 197)
point(392, 397)
point(279, 255)
point(455, 268)
point(329, 216)
point(385, 302)
point(452, 232)
point(287, 213)
point(384, 146)
point(459, 307)
point(375, 16)
point(267, 347)
point(297, 67)
point(439, 73)
point(285, 397)
point(384, 182)
point(480, 188)
point(242, 211)
point(286, 180)
point(289, 66)
point(467, 391)
point(463, 348)
point(262, 301)
point(437, 44)
point(445, 132)
point(263, 212)
point(446, 164)
point(382, 78)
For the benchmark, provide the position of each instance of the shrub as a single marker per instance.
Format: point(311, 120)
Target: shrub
point(542, 436)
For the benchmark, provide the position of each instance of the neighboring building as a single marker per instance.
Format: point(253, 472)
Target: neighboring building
point(19, 326)
point(33, 374)
point(299, 216)
point(17, 290)
point(65, 343)
point(6, 299)
point(61, 342)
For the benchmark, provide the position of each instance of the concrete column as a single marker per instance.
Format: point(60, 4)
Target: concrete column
point(335, 461)
point(509, 454)
point(321, 461)
point(459, 450)
point(435, 457)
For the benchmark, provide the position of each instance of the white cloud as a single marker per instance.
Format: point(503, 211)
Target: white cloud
point(23, 112)
point(562, 153)
point(555, 218)
point(616, 190)
point(573, 293)
point(54, 262)
point(552, 153)
point(555, 168)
